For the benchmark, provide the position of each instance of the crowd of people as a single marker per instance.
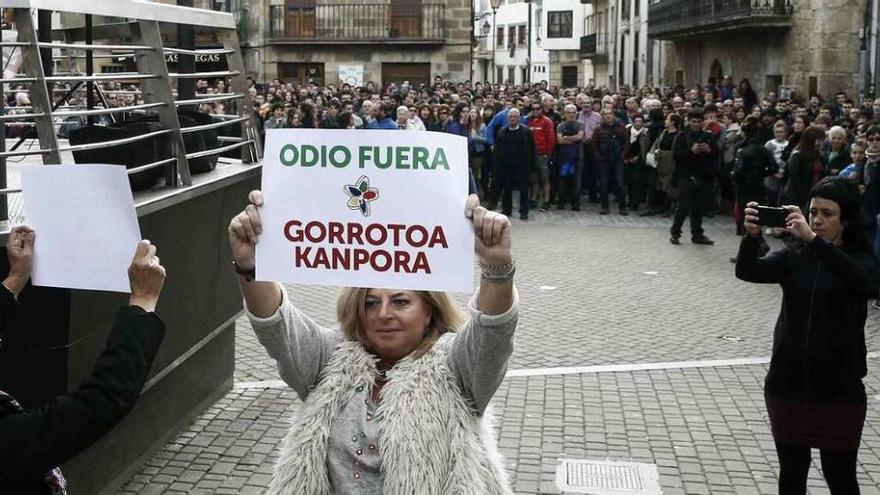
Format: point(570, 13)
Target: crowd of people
point(681, 152)
point(408, 371)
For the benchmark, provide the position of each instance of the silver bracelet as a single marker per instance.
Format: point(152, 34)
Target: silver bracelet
point(498, 274)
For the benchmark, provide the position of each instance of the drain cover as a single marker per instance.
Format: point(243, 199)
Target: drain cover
point(607, 477)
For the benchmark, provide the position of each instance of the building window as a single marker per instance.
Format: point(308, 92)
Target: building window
point(499, 38)
point(559, 24)
point(500, 78)
point(525, 75)
point(511, 36)
point(521, 36)
point(624, 10)
point(511, 74)
point(637, 6)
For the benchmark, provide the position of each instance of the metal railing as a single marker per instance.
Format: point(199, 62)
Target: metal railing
point(594, 45)
point(358, 22)
point(674, 16)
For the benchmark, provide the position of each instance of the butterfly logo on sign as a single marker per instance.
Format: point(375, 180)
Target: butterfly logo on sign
point(360, 195)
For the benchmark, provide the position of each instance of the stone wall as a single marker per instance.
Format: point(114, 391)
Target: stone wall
point(823, 42)
point(449, 59)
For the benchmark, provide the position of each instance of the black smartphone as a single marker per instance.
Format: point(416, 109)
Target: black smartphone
point(769, 216)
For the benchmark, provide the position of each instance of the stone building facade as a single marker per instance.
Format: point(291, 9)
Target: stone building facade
point(356, 41)
point(803, 46)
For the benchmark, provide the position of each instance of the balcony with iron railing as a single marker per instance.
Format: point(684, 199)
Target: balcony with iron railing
point(684, 19)
point(595, 47)
point(419, 23)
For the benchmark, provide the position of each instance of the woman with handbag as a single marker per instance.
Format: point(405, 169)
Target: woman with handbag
point(814, 392)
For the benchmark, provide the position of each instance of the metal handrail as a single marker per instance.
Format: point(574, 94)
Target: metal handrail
point(217, 151)
point(105, 111)
point(10, 191)
point(79, 46)
point(7, 154)
point(206, 51)
point(150, 166)
point(102, 77)
point(204, 127)
point(229, 139)
point(115, 142)
point(18, 80)
point(223, 97)
point(220, 73)
point(13, 116)
point(14, 43)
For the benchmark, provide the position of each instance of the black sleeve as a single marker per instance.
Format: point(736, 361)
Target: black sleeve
point(7, 302)
point(37, 440)
point(858, 270)
point(767, 270)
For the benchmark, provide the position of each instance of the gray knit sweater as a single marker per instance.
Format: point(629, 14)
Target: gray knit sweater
point(477, 358)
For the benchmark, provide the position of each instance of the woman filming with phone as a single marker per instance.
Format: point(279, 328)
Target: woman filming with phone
point(813, 391)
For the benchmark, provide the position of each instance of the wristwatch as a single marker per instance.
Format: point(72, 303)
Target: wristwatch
point(248, 274)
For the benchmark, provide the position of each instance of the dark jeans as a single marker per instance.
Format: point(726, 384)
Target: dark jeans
point(839, 468)
point(650, 186)
point(487, 173)
point(589, 180)
point(691, 201)
point(611, 177)
point(514, 178)
point(634, 176)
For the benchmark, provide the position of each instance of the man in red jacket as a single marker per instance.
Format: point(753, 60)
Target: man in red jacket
point(545, 142)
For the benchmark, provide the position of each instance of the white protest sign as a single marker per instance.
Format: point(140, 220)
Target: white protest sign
point(86, 226)
point(351, 74)
point(366, 208)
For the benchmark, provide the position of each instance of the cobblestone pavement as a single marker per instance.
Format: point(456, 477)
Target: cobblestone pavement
point(595, 290)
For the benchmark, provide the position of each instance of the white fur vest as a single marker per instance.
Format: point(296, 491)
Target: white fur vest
point(433, 442)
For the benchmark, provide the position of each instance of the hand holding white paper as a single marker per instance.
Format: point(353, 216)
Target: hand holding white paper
point(86, 225)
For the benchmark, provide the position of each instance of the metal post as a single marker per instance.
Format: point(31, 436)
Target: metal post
point(186, 39)
point(90, 68)
point(494, 48)
point(33, 63)
point(159, 90)
point(245, 107)
point(529, 50)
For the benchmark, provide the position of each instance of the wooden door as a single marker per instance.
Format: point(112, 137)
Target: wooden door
point(300, 19)
point(406, 19)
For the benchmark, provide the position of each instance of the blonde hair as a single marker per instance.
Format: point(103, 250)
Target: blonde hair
point(446, 316)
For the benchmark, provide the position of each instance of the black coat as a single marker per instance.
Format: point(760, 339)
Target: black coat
point(701, 166)
point(819, 351)
point(753, 163)
point(508, 157)
point(37, 440)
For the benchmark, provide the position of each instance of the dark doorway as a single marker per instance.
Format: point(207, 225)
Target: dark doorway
point(416, 73)
point(303, 73)
point(569, 76)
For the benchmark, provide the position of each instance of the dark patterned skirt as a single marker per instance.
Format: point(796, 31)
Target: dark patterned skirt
point(820, 426)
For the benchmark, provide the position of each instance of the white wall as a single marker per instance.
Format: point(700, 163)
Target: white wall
point(512, 14)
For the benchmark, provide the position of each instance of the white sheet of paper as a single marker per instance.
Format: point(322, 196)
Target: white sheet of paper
point(86, 225)
point(412, 197)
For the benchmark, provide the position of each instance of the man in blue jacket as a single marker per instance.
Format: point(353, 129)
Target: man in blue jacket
point(382, 120)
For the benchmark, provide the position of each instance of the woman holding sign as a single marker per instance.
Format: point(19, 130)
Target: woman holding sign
point(396, 401)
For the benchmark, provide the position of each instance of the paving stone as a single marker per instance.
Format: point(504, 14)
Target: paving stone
point(589, 296)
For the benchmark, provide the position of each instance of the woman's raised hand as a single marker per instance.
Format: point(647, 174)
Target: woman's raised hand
point(750, 222)
point(796, 224)
point(244, 230)
point(492, 243)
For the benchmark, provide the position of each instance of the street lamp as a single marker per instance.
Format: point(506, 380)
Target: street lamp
point(495, 4)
